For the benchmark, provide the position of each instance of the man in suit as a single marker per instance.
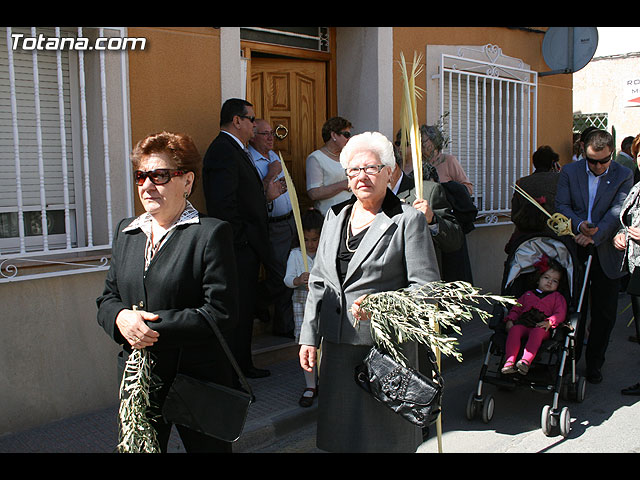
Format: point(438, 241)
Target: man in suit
point(590, 193)
point(234, 192)
point(282, 229)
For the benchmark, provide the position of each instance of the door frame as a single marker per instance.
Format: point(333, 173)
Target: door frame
point(329, 58)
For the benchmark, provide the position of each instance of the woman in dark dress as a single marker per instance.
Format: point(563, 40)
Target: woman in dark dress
point(166, 264)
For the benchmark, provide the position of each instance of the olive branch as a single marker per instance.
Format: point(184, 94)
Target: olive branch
point(136, 433)
point(420, 314)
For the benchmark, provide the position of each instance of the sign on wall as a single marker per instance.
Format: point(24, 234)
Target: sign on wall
point(631, 92)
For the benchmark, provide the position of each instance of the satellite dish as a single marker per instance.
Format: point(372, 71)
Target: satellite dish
point(568, 49)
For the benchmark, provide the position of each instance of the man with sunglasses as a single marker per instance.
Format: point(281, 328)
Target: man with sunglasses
point(590, 193)
point(234, 192)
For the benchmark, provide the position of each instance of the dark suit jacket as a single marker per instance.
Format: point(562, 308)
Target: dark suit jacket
point(572, 200)
point(194, 268)
point(526, 216)
point(234, 192)
point(449, 237)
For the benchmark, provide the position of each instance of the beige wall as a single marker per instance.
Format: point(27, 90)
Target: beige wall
point(175, 86)
point(599, 88)
point(56, 360)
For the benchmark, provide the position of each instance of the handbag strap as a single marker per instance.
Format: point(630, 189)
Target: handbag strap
point(225, 347)
point(434, 363)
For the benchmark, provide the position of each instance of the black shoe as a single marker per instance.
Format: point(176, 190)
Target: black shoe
point(632, 390)
point(253, 372)
point(594, 376)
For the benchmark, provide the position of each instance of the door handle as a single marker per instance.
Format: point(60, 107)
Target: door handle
point(281, 136)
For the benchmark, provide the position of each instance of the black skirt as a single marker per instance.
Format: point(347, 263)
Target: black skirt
point(633, 287)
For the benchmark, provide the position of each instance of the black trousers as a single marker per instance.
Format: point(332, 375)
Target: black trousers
point(248, 267)
point(602, 296)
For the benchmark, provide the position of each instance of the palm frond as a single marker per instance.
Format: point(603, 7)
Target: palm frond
point(420, 314)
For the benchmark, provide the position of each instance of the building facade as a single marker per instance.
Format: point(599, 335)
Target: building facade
point(73, 111)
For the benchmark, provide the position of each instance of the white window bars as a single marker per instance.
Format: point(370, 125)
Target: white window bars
point(64, 147)
point(489, 105)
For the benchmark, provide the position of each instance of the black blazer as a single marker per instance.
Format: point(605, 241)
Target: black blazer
point(449, 237)
point(194, 268)
point(234, 192)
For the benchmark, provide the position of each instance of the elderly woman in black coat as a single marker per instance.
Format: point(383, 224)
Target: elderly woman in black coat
point(166, 264)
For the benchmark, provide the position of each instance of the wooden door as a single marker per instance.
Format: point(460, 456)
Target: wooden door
point(291, 93)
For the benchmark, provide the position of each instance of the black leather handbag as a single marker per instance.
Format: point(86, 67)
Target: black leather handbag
point(404, 390)
point(207, 407)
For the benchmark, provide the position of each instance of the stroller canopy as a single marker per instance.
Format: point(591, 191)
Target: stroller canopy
point(530, 251)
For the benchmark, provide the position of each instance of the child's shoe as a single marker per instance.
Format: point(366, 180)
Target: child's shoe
point(523, 367)
point(508, 368)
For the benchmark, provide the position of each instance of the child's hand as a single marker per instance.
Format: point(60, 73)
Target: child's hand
point(546, 324)
point(303, 279)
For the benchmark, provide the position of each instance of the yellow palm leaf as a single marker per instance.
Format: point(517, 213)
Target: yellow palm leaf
point(296, 211)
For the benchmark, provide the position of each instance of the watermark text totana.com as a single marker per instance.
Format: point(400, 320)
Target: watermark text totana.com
point(43, 42)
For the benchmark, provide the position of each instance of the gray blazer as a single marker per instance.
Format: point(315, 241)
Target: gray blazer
point(572, 200)
point(631, 208)
point(396, 252)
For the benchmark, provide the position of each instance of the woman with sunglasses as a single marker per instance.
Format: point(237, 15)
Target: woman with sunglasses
point(628, 241)
point(165, 264)
point(372, 242)
point(326, 183)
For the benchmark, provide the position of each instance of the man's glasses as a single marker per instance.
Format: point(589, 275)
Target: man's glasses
point(604, 160)
point(251, 119)
point(160, 176)
point(266, 134)
point(369, 170)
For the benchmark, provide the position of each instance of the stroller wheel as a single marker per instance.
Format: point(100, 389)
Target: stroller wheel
point(545, 420)
point(565, 422)
point(472, 406)
point(488, 406)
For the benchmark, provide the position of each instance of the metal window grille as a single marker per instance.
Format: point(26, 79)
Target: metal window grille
point(55, 153)
point(489, 104)
point(310, 38)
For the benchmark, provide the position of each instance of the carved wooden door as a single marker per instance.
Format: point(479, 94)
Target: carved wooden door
point(291, 95)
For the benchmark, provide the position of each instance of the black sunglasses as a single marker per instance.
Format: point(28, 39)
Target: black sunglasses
point(160, 176)
point(345, 134)
point(251, 119)
point(604, 160)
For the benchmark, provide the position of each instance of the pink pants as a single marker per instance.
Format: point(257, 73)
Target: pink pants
point(536, 336)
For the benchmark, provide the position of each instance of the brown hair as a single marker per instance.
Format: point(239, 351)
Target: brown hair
point(334, 124)
point(178, 146)
point(635, 146)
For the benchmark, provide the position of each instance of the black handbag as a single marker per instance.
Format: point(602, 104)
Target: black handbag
point(409, 393)
point(207, 407)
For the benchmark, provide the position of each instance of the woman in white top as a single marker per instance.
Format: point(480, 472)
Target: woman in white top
point(326, 180)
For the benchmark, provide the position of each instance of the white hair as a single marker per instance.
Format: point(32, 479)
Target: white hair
point(374, 142)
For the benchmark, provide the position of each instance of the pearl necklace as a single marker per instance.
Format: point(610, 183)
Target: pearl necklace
point(348, 236)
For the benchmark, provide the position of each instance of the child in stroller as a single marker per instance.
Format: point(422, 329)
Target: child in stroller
point(539, 311)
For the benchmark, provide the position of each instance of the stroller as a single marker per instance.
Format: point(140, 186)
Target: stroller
point(554, 367)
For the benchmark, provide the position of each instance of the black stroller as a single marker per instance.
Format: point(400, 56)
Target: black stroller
point(554, 367)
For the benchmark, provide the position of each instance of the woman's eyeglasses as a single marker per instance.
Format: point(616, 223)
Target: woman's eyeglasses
point(369, 170)
point(345, 134)
point(160, 176)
